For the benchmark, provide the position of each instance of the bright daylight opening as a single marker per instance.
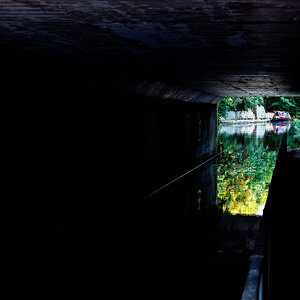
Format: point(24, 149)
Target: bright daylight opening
point(250, 131)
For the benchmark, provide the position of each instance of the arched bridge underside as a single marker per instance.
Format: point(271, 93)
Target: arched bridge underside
point(194, 50)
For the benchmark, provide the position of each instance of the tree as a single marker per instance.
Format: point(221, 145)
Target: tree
point(229, 103)
point(251, 102)
point(291, 105)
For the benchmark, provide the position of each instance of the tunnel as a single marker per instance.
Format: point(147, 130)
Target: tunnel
point(112, 100)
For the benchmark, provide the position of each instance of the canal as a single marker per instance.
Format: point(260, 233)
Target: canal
point(245, 171)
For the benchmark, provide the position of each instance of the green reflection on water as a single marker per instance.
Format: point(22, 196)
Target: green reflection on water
point(245, 172)
point(244, 176)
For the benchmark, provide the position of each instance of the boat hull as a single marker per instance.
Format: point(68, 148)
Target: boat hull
point(280, 120)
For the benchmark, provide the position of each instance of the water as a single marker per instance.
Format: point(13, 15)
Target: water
point(245, 172)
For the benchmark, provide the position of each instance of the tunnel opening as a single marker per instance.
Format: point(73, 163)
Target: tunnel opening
point(252, 134)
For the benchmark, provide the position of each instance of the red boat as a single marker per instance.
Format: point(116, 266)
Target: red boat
point(281, 116)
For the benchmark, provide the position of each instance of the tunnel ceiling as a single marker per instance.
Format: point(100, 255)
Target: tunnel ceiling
point(193, 50)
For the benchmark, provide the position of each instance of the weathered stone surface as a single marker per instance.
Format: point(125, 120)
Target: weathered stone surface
point(219, 47)
point(260, 112)
point(240, 115)
point(231, 115)
point(250, 114)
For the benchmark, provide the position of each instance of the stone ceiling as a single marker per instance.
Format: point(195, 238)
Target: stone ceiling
point(187, 49)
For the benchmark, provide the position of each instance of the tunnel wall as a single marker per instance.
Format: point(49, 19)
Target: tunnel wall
point(95, 152)
point(173, 230)
point(179, 136)
point(87, 155)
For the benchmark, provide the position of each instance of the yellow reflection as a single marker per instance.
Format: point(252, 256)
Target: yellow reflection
point(243, 181)
point(243, 198)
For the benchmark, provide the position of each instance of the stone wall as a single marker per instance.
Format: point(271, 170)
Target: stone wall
point(259, 113)
point(240, 115)
point(178, 136)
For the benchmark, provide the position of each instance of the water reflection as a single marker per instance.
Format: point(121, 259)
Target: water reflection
point(245, 172)
point(259, 130)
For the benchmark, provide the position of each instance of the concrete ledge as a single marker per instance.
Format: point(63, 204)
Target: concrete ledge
point(167, 91)
point(253, 282)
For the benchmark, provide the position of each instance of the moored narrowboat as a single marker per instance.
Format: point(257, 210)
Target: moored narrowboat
point(281, 116)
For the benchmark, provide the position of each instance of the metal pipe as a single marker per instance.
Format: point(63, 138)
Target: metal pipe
point(183, 175)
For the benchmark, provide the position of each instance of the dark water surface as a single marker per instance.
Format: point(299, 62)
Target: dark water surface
point(245, 172)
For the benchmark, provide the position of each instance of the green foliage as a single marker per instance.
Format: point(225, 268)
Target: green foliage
point(229, 103)
point(251, 102)
point(291, 105)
